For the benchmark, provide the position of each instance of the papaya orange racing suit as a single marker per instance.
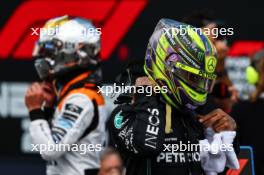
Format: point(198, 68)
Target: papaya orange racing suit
point(72, 140)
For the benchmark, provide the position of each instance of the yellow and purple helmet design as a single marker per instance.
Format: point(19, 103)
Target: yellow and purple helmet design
point(183, 59)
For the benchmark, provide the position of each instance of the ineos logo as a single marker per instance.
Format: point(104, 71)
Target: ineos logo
point(152, 129)
point(154, 120)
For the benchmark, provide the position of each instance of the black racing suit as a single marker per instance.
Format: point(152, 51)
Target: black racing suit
point(138, 132)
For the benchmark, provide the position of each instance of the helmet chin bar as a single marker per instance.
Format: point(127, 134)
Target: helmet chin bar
point(171, 99)
point(43, 68)
point(189, 105)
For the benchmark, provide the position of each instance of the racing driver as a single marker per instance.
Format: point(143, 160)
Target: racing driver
point(146, 128)
point(66, 112)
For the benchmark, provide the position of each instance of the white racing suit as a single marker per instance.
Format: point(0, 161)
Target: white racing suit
point(78, 123)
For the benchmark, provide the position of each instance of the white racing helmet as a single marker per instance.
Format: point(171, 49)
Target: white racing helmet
point(66, 44)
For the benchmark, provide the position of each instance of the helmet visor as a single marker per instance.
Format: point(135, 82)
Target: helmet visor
point(199, 80)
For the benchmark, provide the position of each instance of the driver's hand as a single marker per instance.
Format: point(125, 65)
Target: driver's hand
point(218, 120)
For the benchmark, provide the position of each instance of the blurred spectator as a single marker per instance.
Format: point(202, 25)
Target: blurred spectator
point(111, 163)
point(224, 93)
point(249, 116)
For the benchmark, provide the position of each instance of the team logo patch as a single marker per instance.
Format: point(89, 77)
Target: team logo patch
point(118, 120)
point(210, 64)
point(73, 108)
